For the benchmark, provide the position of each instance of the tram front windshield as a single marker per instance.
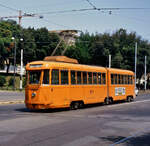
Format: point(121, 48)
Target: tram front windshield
point(34, 77)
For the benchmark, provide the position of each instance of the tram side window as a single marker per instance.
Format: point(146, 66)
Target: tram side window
point(116, 78)
point(46, 77)
point(73, 77)
point(64, 77)
point(131, 79)
point(94, 78)
point(121, 79)
point(89, 78)
point(84, 77)
point(126, 79)
point(78, 77)
point(103, 78)
point(112, 79)
point(55, 77)
point(99, 78)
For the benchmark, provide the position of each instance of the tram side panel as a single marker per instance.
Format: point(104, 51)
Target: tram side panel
point(120, 84)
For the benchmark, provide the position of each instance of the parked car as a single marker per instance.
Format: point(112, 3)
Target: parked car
point(136, 91)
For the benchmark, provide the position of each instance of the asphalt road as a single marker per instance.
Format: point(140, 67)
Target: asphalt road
point(117, 124)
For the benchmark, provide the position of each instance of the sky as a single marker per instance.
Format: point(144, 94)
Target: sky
point(92, 21)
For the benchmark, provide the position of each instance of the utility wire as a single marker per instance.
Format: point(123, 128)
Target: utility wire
point(66, 11)
point(8, 7)
point(91, 4)
point(90, 9)
point(54, 23)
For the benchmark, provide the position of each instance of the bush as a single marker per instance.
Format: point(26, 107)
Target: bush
point(11, 81)
point(24, 82)
point(2, 81)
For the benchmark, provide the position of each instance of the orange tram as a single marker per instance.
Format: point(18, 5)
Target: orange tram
point(58, 82)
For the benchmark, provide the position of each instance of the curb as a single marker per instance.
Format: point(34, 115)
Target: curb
point(11, 102)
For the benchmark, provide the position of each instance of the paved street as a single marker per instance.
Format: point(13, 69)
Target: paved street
point(120, 123)
point(11, 97)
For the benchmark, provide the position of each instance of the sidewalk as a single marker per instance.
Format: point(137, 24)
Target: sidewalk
point(11, 97)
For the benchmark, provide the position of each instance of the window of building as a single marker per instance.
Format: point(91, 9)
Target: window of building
point(94, 78)
point(64, 77)
point(73, 77)
point(89, 77)
point(84, 77)
point(78, 77)
point(46, 77)
point(55, 77)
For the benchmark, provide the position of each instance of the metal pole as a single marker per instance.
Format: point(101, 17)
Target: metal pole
point(109, 61)
point(20, 17)
point(14, 64)
point(145, 73)
point(135, 61)
point(56, 47)
point(21, 66)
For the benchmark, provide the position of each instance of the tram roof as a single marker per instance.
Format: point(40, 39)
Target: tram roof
point(50, 64)
point(37, 65)
point(121, 71)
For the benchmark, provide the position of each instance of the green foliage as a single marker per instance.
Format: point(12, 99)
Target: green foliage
point(95, 49)
point(24, 82)
point(91, 49)
point(2, 81)
point(11, 81)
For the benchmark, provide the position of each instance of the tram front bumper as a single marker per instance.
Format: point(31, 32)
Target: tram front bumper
point(37, 106)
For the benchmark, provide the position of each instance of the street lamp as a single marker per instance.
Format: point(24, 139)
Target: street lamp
point(14, 62)
point(21, 65)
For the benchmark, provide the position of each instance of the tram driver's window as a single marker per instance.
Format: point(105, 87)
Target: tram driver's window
point(55, 77)
point(46, 77)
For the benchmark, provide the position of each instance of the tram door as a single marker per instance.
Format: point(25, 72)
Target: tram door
point(59, 87)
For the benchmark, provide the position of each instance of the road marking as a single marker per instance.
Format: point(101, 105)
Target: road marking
point(138, 133)
point(82, 141)
point(123, 140)
point(11, 102)
point(115, 105)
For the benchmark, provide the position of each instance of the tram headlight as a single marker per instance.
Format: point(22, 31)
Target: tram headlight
point(33, 94)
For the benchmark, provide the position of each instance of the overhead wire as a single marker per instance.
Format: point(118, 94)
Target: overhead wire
point(48, 21)
point(13, 9)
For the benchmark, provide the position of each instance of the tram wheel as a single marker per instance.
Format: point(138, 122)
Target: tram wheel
point(129, 99)
point(107, 101)
point(74, 105)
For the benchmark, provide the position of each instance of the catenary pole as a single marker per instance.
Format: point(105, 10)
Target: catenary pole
point(109, 61)
point(135, 61)
point(145, 73)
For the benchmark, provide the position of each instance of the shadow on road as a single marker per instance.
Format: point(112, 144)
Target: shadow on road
point(142, 140)
point(65, 109)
